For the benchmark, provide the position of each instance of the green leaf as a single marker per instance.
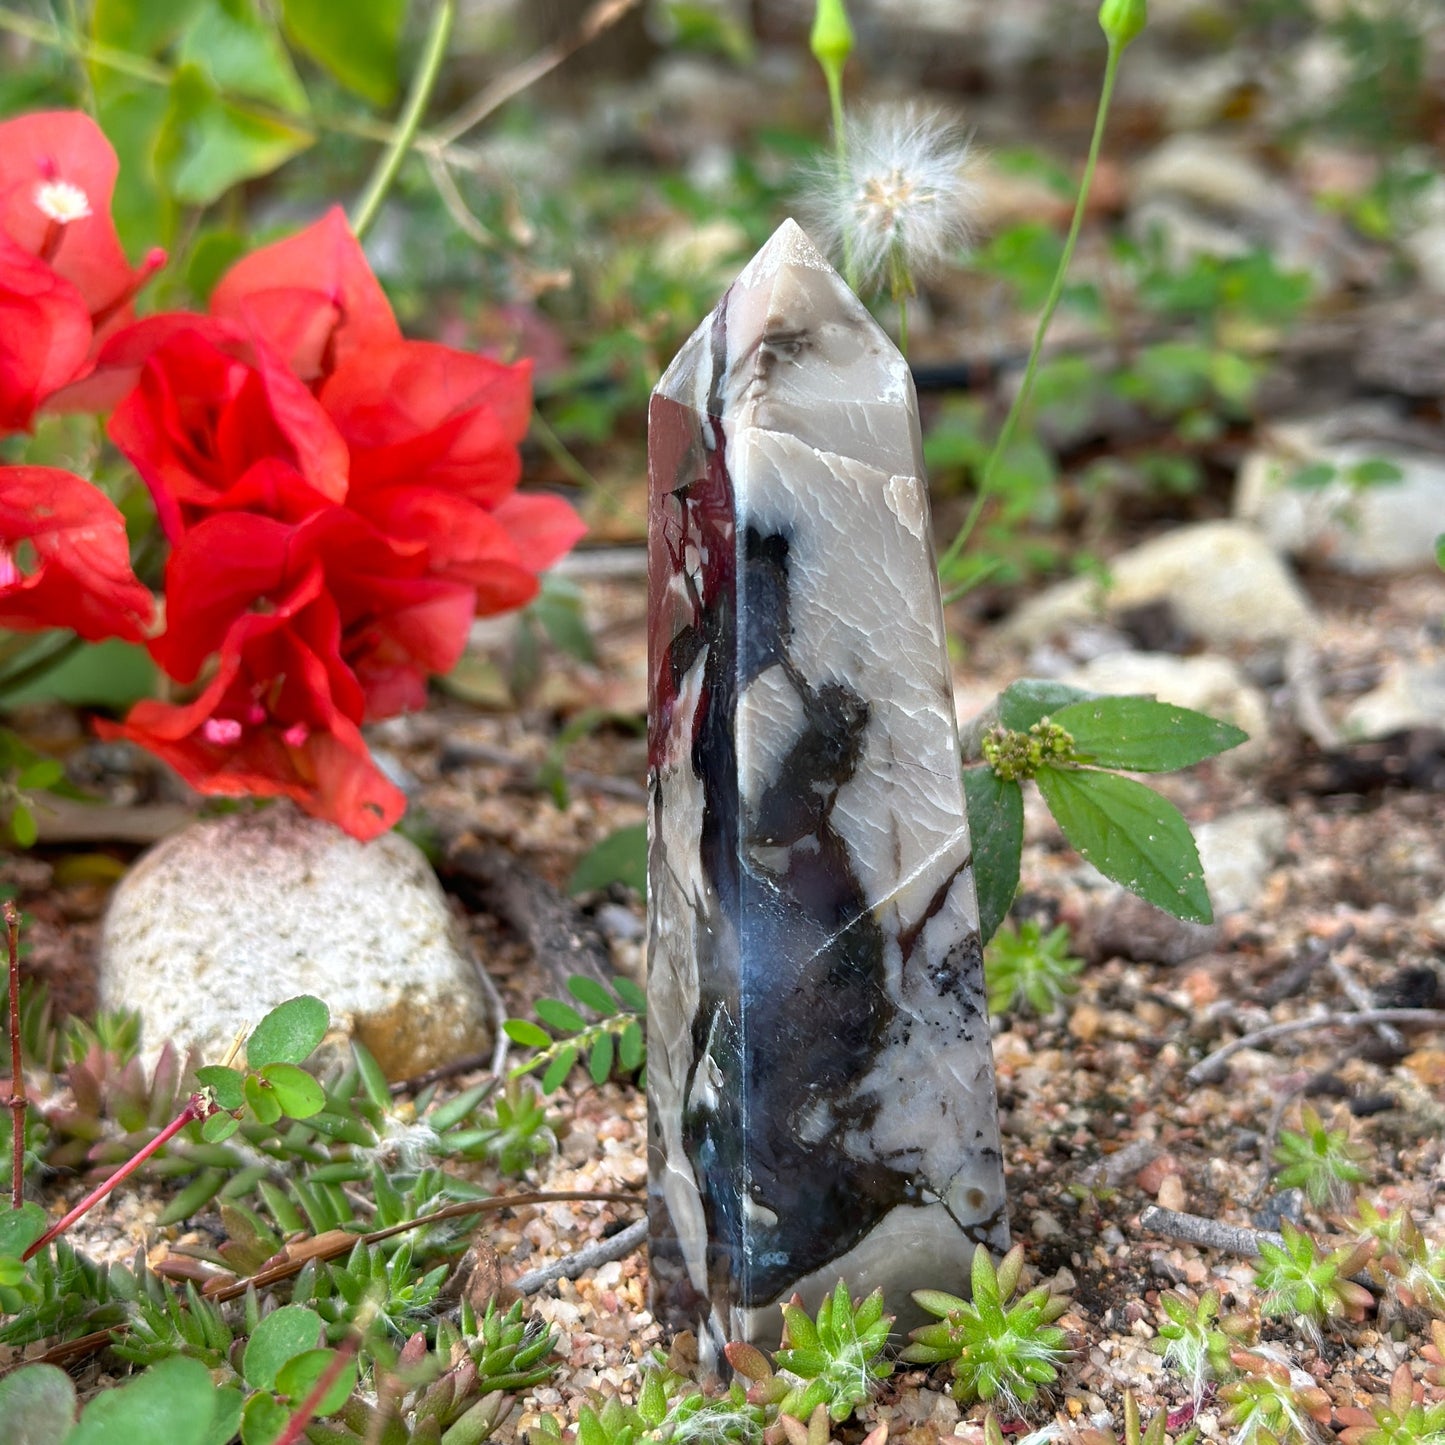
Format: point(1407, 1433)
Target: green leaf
point(593, 994)
point(262, 1101)
point(263, 1420)
point(1142, 735)
point(194, 1197)
point(241, 52)
point(225, 1416)
point(560, 1016)
point(39, 776)
point(219, 1127)
point(1374, 472)
point(143, 27)
point(224, 1084)
point(599, 1062)
point(631, 996)
point(173, 1401)
point(297, 1377)
point(23, 827)
point(1023, 703)
point(1314, 476)
point(1130, 834)
point(131, 113)
point(298, 1094)
point(207, 144)
point(996, 826)
point(558, 608)
point(558, 1070)
point(630, 1048)
point(373, 1080)
point(522, 1031)
point(620, 857)
point(285, 1333)
point(214, 253)
point(20, 1228)
point(356, 42)
point(37, 1404)
point(289, 1033)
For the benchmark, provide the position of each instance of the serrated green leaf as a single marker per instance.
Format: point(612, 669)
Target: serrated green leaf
point(1131, 835)
point(588, 991)
point(560, 1016)
point(289, 1033)
point(996, 829)
point(282, 1335)
point(599, 1062)
point(620, 857)
point(225, 1084)
point(1143, 735)
point(1023, 703)
point(529, 1035)
point(298, 1094)
point(558, 1070)
point(356, 42)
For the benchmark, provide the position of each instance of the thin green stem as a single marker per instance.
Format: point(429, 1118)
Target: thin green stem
point(1056, 291)
point(834, 75)
point(390, 163)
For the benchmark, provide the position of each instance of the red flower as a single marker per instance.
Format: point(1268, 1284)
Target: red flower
point(215, 423)
point(81, 575)
point(273, 722)
point(312, 297)
point(64, 280)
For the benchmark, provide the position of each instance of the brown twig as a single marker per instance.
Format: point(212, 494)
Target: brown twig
point(599, 1252)
point(17, 1100)
point(1208, 1067)
point(1208, 1233)
point(602, 16)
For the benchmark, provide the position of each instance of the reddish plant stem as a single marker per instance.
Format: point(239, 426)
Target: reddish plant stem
point(17, 1077)
point(329, 1376)
point(198, 1106)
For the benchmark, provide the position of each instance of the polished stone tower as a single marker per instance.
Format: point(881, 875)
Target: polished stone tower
point(820, 1077)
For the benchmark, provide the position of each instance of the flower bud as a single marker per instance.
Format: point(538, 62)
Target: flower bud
point(832, 36)
point(1121, 20)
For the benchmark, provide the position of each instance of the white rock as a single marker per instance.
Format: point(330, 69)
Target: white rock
point(1370, 530)
point(1207, 684)
point(224, 920)
point(1412, 694)
point(1224, 581)
point(1238, 850)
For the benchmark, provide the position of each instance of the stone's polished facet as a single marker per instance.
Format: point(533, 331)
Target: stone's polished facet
point(821, 1081)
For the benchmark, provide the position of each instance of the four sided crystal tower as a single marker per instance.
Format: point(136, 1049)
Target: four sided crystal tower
point(821, 1096)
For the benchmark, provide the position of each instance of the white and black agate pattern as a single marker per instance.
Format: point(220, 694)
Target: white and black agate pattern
point(820, 1077)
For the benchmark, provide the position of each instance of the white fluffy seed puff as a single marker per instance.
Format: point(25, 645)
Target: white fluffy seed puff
point(899, 206)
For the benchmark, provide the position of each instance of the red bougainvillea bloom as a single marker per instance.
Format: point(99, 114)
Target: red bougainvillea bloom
point(312, 297)
point(64, 280)
point(64, 561)
point(217, 424)
point(278, 719)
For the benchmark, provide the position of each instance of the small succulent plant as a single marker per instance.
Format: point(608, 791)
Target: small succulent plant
point(1027, 968)
point(1196, 1341)
point(1404, 1417)
point(1268, 1404)
point(996, 1348)
point(1324, 1162)
point(1302, 1280)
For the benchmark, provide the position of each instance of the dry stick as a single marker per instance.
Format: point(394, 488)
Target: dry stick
point(602, 1251)
point(1208, 1067)
point(1359, 995)
point(602, 16)
point(17, 1078)
point(1210, 1233)
point(75, 1349)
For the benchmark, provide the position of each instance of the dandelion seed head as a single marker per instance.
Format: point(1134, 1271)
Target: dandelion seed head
point(902, 200)
point(61, 202)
